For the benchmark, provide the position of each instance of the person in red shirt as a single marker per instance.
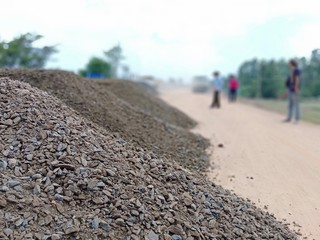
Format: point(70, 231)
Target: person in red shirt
point(233, 88)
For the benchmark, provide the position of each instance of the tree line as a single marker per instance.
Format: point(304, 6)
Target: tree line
point(266, 78)
point(258, 78)
point(20, 52)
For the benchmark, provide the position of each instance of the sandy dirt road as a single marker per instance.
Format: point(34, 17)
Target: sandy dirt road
point(272, 163)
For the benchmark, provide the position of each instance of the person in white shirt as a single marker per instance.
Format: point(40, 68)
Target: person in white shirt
point(217, 82)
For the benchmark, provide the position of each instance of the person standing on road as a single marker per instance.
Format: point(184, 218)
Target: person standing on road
point(233, 88)
point(293, 85)
point(217, 88)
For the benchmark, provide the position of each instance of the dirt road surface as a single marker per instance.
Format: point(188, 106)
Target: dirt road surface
point(274, 164)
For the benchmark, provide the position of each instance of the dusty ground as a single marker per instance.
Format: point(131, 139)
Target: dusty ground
point(274, 164)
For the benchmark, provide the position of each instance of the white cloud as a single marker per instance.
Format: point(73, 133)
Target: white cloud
point(307, 38)
point(161, 37)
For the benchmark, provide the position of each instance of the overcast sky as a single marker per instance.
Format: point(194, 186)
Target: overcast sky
point(168, 38)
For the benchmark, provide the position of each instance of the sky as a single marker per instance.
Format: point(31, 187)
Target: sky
point(167, 38)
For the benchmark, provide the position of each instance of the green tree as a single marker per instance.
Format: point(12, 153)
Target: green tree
point(97, 67)
point(263, 78)
point(266, 79)
point(114, 56)
point(20, 52)
point(311, 75)
point(271, 80)
point(249, 77)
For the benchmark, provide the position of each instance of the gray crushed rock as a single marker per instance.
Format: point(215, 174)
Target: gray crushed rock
point(143, 197)
point(144, 120)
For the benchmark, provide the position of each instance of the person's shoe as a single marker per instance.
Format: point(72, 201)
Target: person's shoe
point(296, 121)
point(287, 120)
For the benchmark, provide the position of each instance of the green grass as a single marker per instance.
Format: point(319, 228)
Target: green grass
point(310, 108)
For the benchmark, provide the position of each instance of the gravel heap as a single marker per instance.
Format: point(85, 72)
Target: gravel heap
point(64, 177)
point(138, 97)
point(132, 123)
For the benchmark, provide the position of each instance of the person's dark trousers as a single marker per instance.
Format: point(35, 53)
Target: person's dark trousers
point(216, 99)
point(233, 94)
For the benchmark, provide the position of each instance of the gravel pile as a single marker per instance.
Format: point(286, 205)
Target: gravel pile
point(64, 177)
point(144, 100)
point(132, 123)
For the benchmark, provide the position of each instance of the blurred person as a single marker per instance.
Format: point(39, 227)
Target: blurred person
point(233, 88)
point(217, 82)
point(293, 85)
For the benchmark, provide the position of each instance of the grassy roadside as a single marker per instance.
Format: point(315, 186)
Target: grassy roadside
point(310, 108)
